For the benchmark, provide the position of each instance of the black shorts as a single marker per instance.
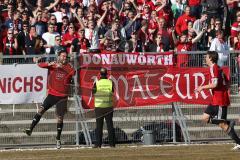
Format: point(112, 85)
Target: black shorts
point(216, 112)
point(60, 102)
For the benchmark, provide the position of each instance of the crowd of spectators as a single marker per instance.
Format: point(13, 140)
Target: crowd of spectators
point(33, 27)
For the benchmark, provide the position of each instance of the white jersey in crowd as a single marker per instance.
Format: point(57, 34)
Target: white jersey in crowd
point(222, 49)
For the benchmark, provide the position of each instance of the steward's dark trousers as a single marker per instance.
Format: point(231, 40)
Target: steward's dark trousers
point(106, 113)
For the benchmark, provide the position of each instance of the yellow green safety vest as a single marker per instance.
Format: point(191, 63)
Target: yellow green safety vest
point(103, 95)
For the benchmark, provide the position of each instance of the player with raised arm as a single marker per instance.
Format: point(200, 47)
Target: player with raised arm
point(60, 74)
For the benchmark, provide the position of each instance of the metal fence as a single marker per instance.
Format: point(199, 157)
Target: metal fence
point(172, 123)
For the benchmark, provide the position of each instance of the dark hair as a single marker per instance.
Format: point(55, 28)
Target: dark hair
point(25, 23)
point(61, 50)
point(65, 17)
point(203, 13)
point(57, 36)
point(103, 72)
point(213, 55)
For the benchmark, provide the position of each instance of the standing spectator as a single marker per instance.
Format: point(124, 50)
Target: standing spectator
point(58, 13)
point(201, 23)
point(10, 43)
point(25, 16)
point(165, 32)
point(132, 24)
point(220, 45)
point(216, 112)
point(164, 11)
point(32, 42)
point(157, 45)
point(9, 19)
point(237, 47)
point(21, 6)
point(40, 6)
point(198, 25)
point(153, 25)
point(79, 12)
point(134, 44)
point(235, 29)
point(63, 28)
point(212, 34)
point(195, 7)
point(233, 6)
point(57, 46)
point(177, 9)
point(216, 8)
point(41, 26)
point(49, 37)
point(68, 37)
point(21, 37)
point(237, 42)
point(91, 32)
point(114, 34)
point(103, 100)
point(184, 45)
point(80, 44)
point(181, 23)
point(146, 14)
point(143, 34)
point(60, 75)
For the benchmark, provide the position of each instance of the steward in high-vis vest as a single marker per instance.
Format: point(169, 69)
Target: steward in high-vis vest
point(103, 100)
point(103, 95)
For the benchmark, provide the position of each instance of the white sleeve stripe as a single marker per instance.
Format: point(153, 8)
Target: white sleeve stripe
point(211, 72)
point(235, 28)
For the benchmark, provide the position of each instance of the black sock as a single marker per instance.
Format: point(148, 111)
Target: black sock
point(216, 121)
point(59, 130)
point(35, 120)
point(231, 132)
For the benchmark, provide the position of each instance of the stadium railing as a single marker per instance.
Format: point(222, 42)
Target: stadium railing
point(127, 121)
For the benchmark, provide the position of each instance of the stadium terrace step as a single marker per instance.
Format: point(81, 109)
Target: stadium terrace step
point(15, 118)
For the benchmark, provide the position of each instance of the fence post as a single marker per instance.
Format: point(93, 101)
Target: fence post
point(173, 123)
point(75, 97)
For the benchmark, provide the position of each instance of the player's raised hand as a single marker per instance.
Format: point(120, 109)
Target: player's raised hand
point(52, 63)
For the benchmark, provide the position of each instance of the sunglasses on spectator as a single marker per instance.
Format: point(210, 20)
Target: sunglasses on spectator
point(25, 26)
point(217, 23)
point(58, 39)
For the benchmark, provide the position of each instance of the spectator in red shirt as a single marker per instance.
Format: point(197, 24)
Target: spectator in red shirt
point(235, 29)
point(181, 24)
point(165, 32)
point(164, 11)
point(143, 34)
point(237, 43)
point(153, 24)
point(69, 37)
point(184, 45)
point(146, 13)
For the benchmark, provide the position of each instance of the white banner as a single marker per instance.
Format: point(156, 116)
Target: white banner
point(22, 83)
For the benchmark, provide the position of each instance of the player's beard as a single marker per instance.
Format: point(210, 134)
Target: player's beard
point(62, 61)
